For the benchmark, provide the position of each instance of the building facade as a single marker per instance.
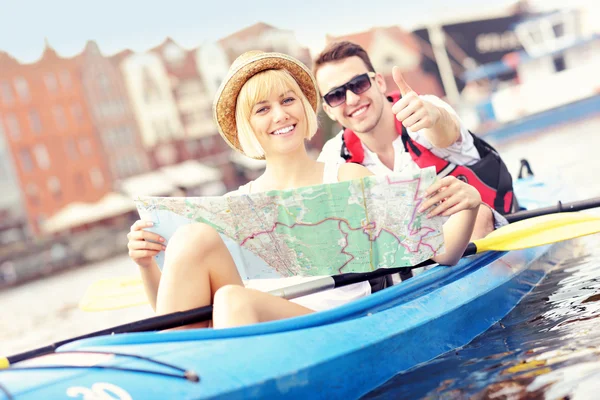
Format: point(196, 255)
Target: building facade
point(201, 140)
point(113, 119)
point(58, 159)
point(153, 104)
point(14, 225)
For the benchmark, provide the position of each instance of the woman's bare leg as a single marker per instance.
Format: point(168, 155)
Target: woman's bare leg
point(236, 306)
point(197, 264)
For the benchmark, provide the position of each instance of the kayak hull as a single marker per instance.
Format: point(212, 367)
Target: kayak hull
point(341, 353)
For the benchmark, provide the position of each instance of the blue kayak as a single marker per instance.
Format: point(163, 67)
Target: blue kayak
point(340, 353)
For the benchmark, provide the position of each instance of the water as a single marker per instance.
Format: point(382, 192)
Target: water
point(45, 311)
point(547, 345)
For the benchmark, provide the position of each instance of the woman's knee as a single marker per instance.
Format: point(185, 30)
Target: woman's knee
point(194, 239)
point(231, 296)
point(231, 300)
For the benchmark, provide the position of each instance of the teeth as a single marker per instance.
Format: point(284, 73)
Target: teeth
point(359, 111)
point(283, 130)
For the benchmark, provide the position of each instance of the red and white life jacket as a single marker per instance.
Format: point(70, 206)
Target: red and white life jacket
point(489, 175)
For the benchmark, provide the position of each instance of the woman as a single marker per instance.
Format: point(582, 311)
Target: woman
point(266, 109)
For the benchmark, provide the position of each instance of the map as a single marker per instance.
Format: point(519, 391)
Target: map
point(352, 226)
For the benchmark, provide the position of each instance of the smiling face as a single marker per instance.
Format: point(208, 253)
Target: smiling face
point(273, 115)
point(278, 122)
point(360, 112)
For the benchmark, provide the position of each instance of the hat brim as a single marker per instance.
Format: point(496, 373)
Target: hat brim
point(226, 98)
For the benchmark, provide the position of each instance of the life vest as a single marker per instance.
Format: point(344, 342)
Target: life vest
point(489, 175)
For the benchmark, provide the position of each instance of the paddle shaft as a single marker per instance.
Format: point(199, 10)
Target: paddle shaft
point(161, 322)
point(560, 207)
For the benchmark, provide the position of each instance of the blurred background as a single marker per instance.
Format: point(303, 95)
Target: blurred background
point(103, 101)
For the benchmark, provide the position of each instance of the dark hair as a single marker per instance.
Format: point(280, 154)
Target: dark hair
point(338, 51)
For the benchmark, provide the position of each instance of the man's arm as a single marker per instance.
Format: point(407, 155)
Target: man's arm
point(446, 130)
point(439, 124)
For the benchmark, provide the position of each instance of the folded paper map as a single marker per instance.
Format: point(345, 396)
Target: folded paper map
point(352, 226)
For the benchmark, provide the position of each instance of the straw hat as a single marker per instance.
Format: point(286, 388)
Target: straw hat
point(245, 67)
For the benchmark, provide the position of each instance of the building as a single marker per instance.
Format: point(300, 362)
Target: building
point(391, 46)
point(149, 90)
point(213, 64)
point(201, 140)
point(111, 114)
point(13, 216)
point(261, 36)
point(58, 158)
point(171, 107)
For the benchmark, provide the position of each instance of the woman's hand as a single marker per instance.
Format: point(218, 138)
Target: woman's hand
point(451, 196)
point(141, 248)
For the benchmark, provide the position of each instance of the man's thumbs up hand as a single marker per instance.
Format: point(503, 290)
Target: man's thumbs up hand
point(414, 112)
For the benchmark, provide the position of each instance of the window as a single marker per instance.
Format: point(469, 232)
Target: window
point(122, 165)
point(79, 182)
point(85, 146)
point(559, 63)
point(50, 81)
point(40, 220)
point(54, 187)
point(22, 88)
point(26, 161)
point(6, 93)
point(103, 81)
point(65, 80)
point(72, 149)
point(150, 87)
point(41, 156)
point(77, 113)
point(59, 117)
point(138, 164)
point(108, 137)
point(123, 106)
point(34, 122)
point(12, 126)
point(33, 194)
point(96, 177)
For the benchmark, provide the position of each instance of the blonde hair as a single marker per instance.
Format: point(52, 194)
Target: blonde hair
point(258, 88)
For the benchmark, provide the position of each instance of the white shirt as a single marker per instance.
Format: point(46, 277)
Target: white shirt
point(461, 152)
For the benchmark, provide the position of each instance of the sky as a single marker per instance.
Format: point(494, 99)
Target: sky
point(142, 24)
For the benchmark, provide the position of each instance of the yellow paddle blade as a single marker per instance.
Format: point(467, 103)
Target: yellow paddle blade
point(114, 293)
point(539, 231)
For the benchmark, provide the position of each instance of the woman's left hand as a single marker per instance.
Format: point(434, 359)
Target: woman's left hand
point(451, 196)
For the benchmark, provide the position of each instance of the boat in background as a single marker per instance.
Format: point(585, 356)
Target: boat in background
point(553, 80)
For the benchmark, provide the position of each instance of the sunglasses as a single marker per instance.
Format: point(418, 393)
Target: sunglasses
point(360, 84)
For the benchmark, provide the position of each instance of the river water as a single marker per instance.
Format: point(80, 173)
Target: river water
point(551, 334)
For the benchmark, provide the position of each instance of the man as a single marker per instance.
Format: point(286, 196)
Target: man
point(405, 131)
